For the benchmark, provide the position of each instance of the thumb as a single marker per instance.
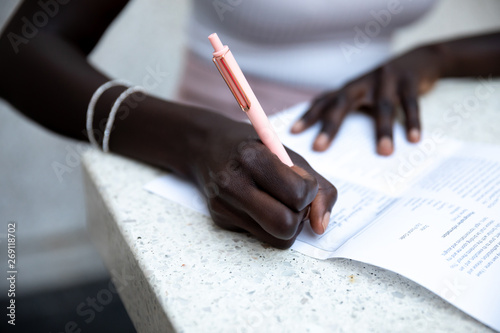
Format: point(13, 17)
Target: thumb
point(322, 205)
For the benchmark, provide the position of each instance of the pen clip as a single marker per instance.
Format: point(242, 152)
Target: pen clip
point(239, 94)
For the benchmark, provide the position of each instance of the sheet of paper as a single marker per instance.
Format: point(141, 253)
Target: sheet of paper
point(367, 183)
point(445, 233)
point(429, 212)
point(357, 206)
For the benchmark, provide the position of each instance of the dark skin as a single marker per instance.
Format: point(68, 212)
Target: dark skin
point(398, 84)
point(50, 69)
point(45, 75)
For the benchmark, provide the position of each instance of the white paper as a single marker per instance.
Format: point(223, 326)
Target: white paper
point(430, 212)
point(445, 233)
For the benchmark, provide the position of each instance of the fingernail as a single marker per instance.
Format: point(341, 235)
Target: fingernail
point(414, 135)
point(307, 214)
point(326, 221)
point(298, 126)
point(384, 146)
point(321, 142)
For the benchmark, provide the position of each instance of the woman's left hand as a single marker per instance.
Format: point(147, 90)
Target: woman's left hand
point(379, 93)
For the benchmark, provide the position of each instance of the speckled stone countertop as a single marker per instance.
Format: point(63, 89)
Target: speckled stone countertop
point(176, 271)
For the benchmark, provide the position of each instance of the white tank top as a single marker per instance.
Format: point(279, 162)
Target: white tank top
point(314, 43)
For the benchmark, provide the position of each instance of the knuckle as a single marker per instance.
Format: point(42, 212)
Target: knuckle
point(221, 179)
point(331, 124)
point(386, 71)
point(413, 118)
point(335, 96)
point(323, 97)
point(332, 192)
point(384, 106)
point(286, 225)
point(249, 152)
point(306, 193)
point(234, 167)
point(412, 105)
point(298, 198)
point(302, 192)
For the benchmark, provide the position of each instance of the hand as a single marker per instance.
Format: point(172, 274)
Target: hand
point(249, 189)
point(246, 186)
point(379, 93)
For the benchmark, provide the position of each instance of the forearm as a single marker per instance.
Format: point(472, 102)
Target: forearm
point(166, 134)
point(49, 80)
point(45, 73)
point(151, 130)
point(472, 56)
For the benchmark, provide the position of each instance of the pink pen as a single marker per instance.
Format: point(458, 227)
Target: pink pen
point(237, 83)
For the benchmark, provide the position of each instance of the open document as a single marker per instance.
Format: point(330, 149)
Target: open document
point(430, 212)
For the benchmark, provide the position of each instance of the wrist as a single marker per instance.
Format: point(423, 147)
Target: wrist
point(471, 56)
point(164, 134)
point(443, 58)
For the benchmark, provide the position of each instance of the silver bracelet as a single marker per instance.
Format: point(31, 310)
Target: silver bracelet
point(112, 114)
point(92, 103)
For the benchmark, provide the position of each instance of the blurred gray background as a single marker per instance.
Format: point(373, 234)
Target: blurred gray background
point(54, 249)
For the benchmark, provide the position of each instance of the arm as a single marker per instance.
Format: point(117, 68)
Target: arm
point(399, 82)
point(46, 66)
point(47, 77)
point(472, 56)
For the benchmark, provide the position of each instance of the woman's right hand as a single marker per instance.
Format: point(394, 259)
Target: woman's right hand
point(249, 189)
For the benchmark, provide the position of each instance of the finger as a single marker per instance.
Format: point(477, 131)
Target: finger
point(293, 187)
point(331, 123)
point(313, 114)
point(409, 102)
point(384, 114)
point(272, 215)
point(321, 207)
point(231, 219)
